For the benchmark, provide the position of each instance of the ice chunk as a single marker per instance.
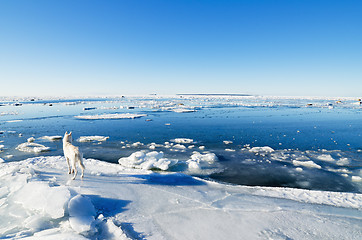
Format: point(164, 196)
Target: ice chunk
point(325, 157)
point(31, 139)
point(179, 146)
point(198, 160)
point(309, 164)
point(52, 138)
point(92, 138)
point(39, 196)
point(32, 147)
point(356, 179)
point(183, 140)
point(111, 116)
point(227, 142)
point(81, 214)
point(343, 162)
point(183, 110)
point(265, 149)
point(1, 160)
point(229, 150)
point(147, 161)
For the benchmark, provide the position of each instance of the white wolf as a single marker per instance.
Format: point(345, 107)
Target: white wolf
point(72, 154)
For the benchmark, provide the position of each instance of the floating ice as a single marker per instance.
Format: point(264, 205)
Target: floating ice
point(265, 149)
point(92, 138)
point(111, 116)
point(182, 140)
point(343, 162)
point(32, 147)
point(147, 161)
point(309, 164)
point(31, 139)
point(179, 146)
point(52, 138)
point(199, 161)
point(227, 142)
point(326, 158)
point(230, 150)
point(356, 179)
point(183, 110)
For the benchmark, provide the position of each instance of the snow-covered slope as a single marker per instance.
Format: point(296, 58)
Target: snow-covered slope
point(39, 201)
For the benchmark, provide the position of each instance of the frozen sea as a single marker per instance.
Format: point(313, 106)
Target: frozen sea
point(225, 157)
point(315, 143)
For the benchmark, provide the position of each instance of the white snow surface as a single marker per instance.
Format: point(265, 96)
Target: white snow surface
point(39, 201)
point(111, 116)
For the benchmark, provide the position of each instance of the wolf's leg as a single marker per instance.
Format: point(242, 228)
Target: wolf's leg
point(82, 167)
point(68, 165)
point(75, 171)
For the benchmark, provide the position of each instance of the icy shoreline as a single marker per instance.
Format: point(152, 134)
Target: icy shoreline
point(38, 200)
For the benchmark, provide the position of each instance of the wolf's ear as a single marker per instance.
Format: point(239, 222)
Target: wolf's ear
point(66, 133)
point(70, 133)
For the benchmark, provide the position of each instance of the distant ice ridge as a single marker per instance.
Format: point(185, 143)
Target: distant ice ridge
point(92, 138)
point(111, 116)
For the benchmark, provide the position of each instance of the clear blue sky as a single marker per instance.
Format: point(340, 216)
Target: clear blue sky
point(271, 47)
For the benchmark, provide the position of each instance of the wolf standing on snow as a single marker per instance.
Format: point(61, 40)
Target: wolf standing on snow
point(72, 154)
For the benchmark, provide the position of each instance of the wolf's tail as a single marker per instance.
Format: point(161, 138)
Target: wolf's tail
point(80, 156)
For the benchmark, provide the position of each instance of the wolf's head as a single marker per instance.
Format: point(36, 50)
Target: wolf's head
point(67, 137)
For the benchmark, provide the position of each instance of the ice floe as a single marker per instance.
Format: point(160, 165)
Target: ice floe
point(309, 164)
point(183, 140)
point(265, 149)
point(52, 138)
point(92, 139)
point(32, 147)
point(111, 116)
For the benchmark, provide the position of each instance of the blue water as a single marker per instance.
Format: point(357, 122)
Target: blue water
point(292, 127)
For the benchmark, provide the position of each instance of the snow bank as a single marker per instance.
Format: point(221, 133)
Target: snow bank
point(92, 138)
point(111, 116)
point(32, 147)
point(151, 160)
